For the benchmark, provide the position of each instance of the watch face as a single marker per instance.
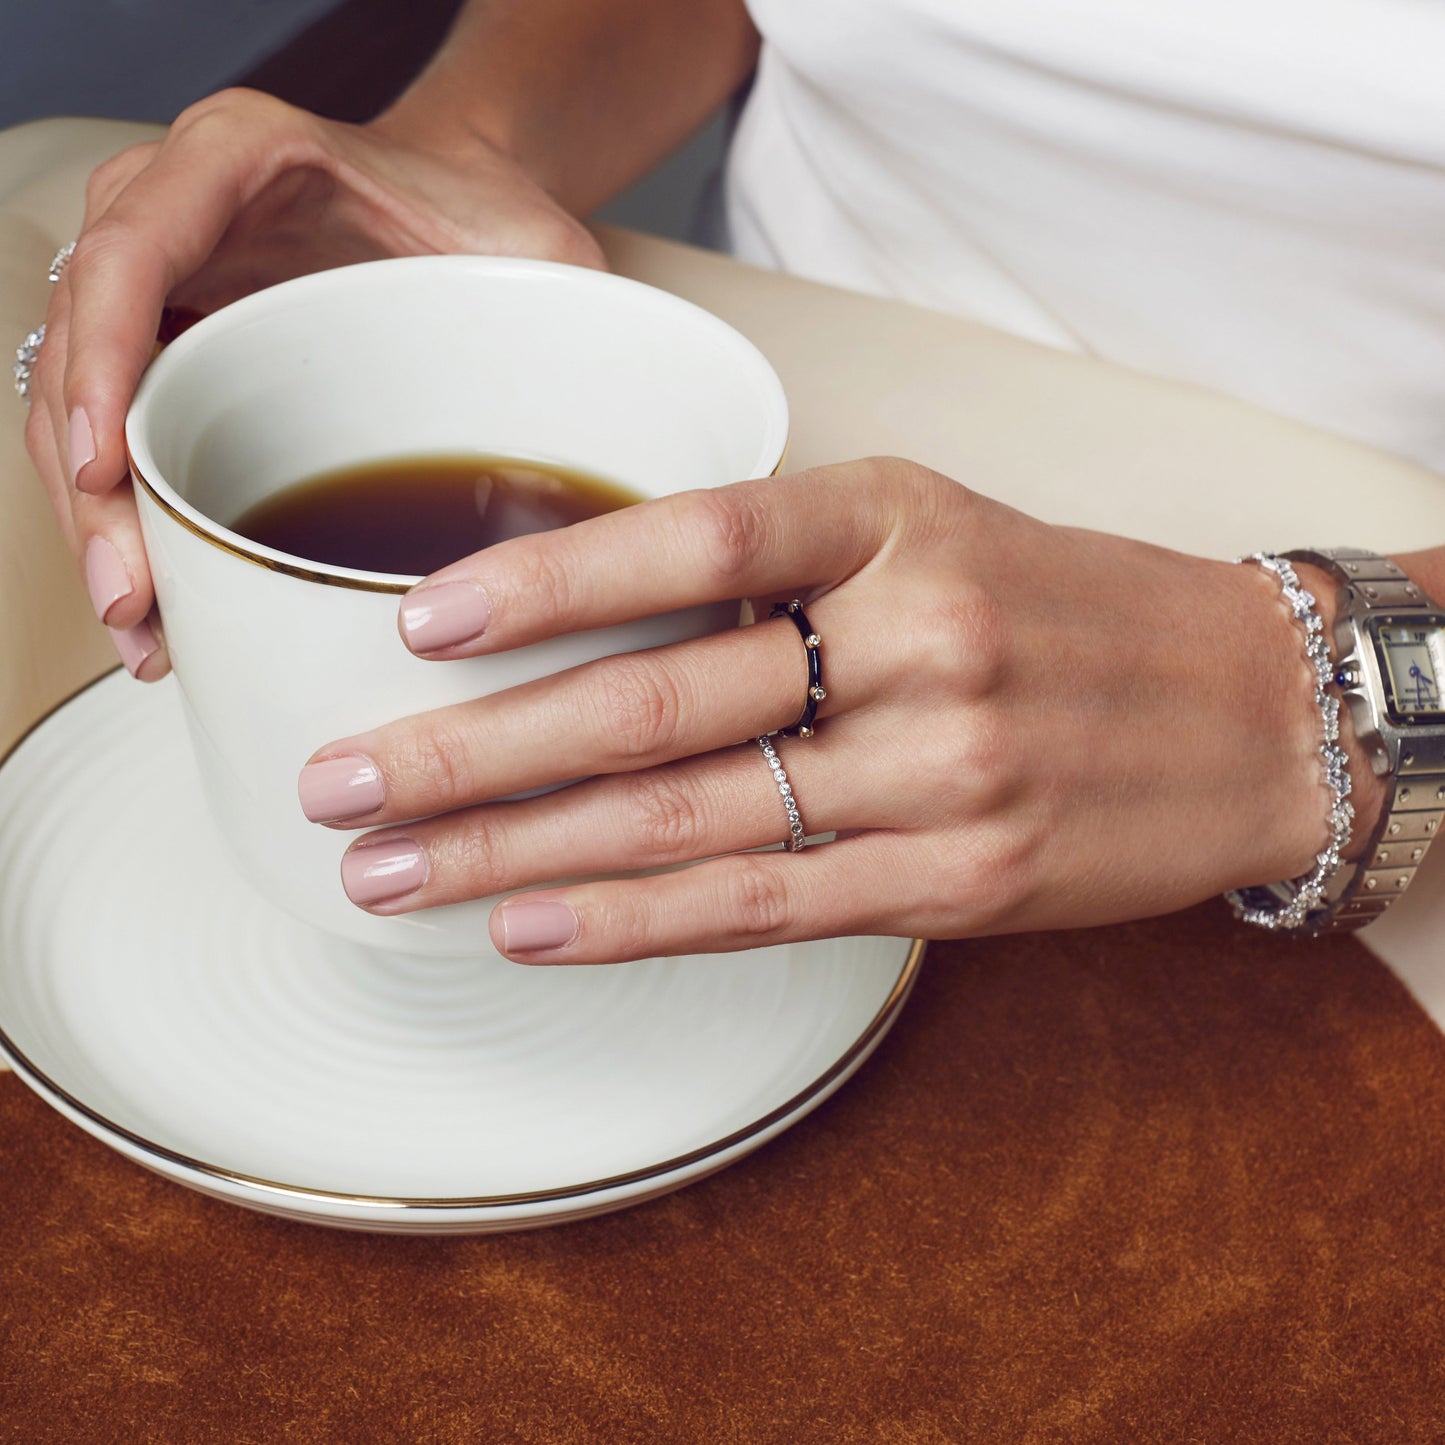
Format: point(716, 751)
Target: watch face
point(1412, 666)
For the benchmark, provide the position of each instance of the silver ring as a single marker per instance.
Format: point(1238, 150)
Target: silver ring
point(26, 355)
point(61, 261)
point(795, 841)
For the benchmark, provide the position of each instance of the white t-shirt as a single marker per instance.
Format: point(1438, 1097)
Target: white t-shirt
point(1246, 194)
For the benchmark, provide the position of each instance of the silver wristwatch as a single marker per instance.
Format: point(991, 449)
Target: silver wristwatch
point(1390, 642)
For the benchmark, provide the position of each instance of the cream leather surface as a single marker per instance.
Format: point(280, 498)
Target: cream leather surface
point(1066, 438)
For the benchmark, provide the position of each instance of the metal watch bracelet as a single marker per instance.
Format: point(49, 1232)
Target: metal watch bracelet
point(1376, 590)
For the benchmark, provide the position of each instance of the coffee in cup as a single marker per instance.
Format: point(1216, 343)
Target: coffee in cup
point(278, 652)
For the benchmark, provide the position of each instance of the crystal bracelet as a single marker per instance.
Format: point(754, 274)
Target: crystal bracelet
point(1301, 895)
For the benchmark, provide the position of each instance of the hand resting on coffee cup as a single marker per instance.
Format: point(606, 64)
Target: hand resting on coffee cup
point(526, 118)
point(243, 192)
point(1025, 726)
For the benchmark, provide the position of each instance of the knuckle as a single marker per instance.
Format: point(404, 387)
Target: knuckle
point(106, 176)
point(754, 898)
point(560, 238)
point(896, 470)
point(431, 769)
point(478, 860)
point(992, 875)
point(232, 104)
point(97, 183)
point(912, 484)
point(265, 128)
point(1009, 877)
point(928, 503)
point(664, 818)
point(638, 707)
point(539, 575)
point(964, 638)
point(976, 767)
point(733, 525)
point(624, 925)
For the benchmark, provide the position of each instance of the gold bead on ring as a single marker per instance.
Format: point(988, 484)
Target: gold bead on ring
point(812, 642)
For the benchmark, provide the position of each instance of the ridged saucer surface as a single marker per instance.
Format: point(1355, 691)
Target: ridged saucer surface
point(149, 993)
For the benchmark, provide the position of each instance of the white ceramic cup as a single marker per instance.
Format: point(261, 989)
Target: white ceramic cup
point(276, 655)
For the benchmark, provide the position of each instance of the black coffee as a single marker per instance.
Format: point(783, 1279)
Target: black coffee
point(413, 515)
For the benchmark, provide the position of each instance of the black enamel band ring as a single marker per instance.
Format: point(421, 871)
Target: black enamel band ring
point(793, 610)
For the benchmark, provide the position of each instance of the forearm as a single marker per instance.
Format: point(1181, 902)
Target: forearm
point(585, 96)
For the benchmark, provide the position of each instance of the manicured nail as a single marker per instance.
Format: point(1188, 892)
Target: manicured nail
point(442, 616)
point(381, 872)
point(82, 442)
point(135, 645)
point(340, 788)
point(106, 576)
point(532, 927)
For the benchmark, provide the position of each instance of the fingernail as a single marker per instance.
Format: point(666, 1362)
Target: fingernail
point(106, 576)
point(442, 616)
point(380, 872)
point(135, 645)
point(82, 442)
point(531, 927)
point(340, 788)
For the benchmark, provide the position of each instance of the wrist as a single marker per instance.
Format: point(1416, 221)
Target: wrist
point(580, 98)
point(1377, 677)
point(440, 124)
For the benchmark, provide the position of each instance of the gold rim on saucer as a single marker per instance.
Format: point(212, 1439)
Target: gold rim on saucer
point(166, 1160)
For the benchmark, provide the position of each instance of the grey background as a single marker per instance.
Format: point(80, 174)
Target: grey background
point(149, 59)
point(133, 59)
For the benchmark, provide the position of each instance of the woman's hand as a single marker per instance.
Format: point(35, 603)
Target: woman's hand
point(243, 192)
point(1025, 727)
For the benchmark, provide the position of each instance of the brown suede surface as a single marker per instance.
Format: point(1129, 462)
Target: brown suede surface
point(1165, 1182)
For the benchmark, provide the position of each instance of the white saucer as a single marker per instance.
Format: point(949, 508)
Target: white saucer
point(153, 998)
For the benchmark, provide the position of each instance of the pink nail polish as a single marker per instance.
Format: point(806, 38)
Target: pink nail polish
point(340, 788)
point(135, 645)
point(82, 442)
point(532, 927)
point(381, 872)
point(106, 576)
point(449, 613)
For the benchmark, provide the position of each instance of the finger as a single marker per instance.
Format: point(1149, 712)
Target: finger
point(135, 635)
point(142, 649)
point(754, 538)
point(49, 466)
point(113, 558)
point(103, 531)
point(73, 441)
point(726, 802)
point(75, 438)
point(619, 714)
point(744, 901)
point(112, 176)
point(47, 401)
point(157, 229)
point(101, 187)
